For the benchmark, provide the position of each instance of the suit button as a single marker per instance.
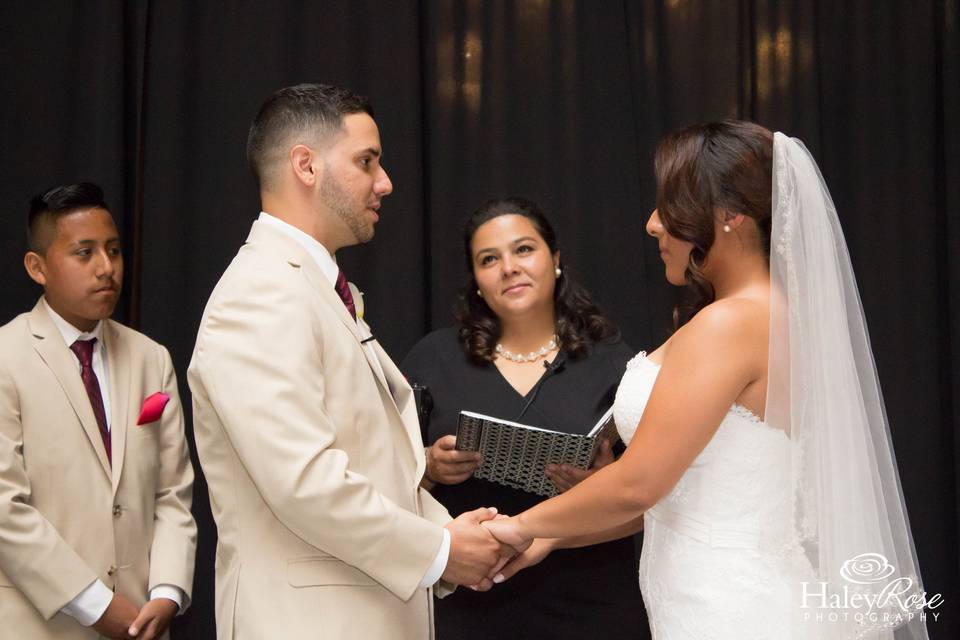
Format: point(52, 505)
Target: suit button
point(116, 511)
point(112, 570)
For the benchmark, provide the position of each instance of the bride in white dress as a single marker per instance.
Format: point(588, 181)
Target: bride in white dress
point(758, 458)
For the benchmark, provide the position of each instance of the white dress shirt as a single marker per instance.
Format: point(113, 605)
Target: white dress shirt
point(328, 266)
point(70, 335)
point(90, 605)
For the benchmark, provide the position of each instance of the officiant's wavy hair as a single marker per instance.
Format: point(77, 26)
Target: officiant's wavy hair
point(580, 322)
point(724, 165)
point(308, 111)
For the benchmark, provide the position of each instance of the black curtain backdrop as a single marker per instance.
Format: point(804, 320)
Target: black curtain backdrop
point(560, 101)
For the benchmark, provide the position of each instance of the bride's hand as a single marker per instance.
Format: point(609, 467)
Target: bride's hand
point(509, 531)
point(508, 551)
point(534, 554)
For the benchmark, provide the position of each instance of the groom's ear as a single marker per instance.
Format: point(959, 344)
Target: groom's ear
point(305, 164)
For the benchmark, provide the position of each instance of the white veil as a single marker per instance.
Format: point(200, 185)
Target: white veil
point(823, 390)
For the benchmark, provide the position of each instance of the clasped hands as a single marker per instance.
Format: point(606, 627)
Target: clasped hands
point(122, 619)
point(486, 548)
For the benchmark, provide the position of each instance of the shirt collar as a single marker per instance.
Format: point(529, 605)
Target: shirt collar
point(319, 253)
point(70, 333)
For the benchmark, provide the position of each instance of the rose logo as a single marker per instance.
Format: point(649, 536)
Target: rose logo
point(866, 568)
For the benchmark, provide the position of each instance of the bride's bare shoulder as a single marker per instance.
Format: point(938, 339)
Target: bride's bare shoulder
point(730, 321)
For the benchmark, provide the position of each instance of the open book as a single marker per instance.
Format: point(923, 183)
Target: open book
point(515, 454)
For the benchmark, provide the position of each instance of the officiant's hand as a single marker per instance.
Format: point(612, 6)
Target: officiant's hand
point(446, 465)
point(565, 476)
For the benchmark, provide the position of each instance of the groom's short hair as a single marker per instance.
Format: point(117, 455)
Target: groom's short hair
point(301, 114)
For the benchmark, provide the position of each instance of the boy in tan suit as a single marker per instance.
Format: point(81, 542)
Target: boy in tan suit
point(96, 536)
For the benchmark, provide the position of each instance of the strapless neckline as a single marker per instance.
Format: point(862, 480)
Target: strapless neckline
point(735, 408)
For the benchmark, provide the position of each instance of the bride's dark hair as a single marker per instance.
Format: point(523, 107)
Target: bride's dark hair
point(724, 165)
point(580, 323)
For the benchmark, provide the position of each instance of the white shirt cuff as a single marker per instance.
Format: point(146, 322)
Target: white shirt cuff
point(90, 605)
point(439, 563)
point(169, 592)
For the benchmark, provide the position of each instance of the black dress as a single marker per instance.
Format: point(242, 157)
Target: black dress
point(591, 592)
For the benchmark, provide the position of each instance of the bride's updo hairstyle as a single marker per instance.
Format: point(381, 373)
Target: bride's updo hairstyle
point(580, 322)
point(704, 168)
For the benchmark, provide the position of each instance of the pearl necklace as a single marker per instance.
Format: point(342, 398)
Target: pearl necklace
point(533, 356)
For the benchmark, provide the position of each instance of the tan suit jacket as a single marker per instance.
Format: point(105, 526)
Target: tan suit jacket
point(67, 517)
point(313, 465)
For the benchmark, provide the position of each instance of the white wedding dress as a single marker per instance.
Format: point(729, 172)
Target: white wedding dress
point(719, 560)
point(760, 521)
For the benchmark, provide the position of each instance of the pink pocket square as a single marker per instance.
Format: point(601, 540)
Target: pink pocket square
point(153, 408)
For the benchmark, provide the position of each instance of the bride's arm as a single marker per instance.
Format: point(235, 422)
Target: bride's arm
point(709, 363)
point(542, 547)
point(597, 537)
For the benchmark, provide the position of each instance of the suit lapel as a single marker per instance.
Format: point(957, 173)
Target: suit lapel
point(406, 406)
point(380, 364)
point(394, 386)
point(121, 384)
point(359, 330)
point(48, 344)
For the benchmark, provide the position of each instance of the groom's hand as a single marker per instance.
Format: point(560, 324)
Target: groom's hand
point(474, 552)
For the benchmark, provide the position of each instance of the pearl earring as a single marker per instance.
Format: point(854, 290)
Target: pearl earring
point(726, 228)
point(479, 293)
point(557, 271)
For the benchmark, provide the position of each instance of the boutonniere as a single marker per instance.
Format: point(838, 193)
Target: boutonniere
point(357, 299)
point(152, 408)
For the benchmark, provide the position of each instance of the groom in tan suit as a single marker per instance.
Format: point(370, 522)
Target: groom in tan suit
point(96, 536)
point(307, 432)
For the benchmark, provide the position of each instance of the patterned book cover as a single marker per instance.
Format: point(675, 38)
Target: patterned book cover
point(515, 454)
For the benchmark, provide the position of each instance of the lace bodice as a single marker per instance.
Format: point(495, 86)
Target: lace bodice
point(739, 477)
point(718, 559)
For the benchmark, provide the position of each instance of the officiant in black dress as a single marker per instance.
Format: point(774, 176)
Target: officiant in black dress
point(530, 346)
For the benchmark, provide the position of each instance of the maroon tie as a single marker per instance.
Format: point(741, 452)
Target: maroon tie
point(343, 290)
point(84, 351)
